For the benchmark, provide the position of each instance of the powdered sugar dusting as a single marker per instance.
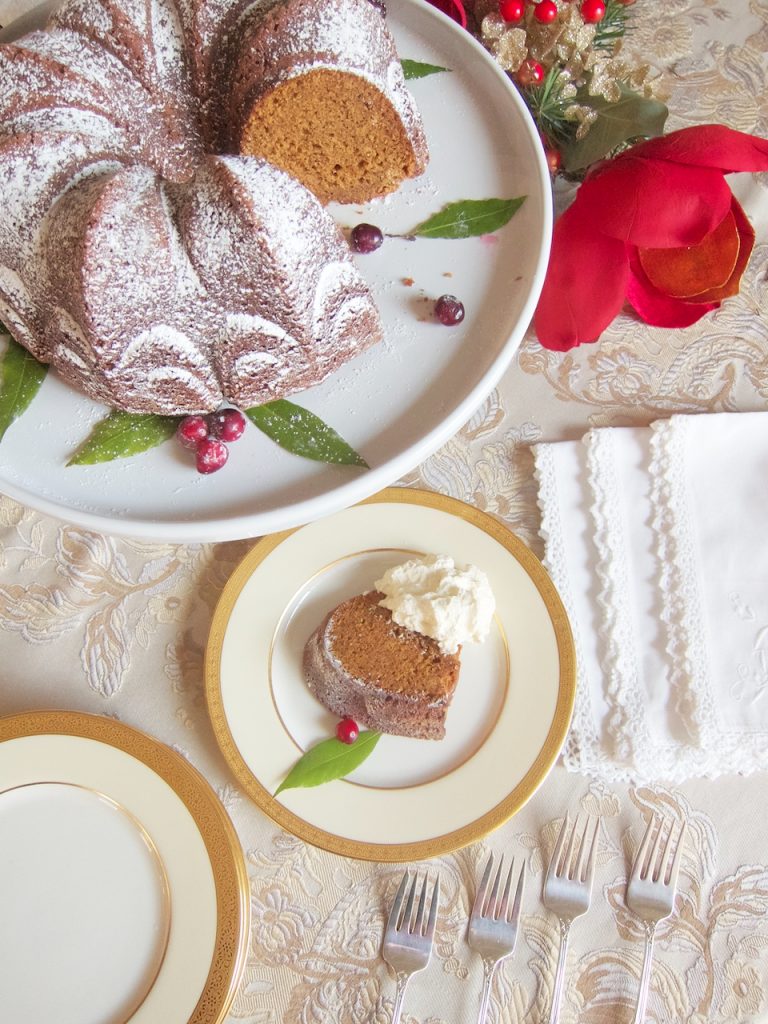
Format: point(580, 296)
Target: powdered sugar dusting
point(150, 274)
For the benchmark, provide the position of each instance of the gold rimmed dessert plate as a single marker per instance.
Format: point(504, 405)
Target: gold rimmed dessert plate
point(122, 882)
point(411, 798)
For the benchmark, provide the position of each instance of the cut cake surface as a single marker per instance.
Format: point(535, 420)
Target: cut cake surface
point(329, 106)
point(362, 665)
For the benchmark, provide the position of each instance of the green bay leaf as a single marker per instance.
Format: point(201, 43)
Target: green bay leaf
point(300, 432)
point(329, 760)
point(20, 378)
point(415, 69)
point(469, 217)
point(122, 434)
point(631, 117)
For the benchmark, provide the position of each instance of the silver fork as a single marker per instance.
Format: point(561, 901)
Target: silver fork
point(568, 890)
point(407, 939)
point(651, 892)
point(493, 923)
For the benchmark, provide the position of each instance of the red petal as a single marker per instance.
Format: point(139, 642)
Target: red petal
point(585, 283)
point(657, 309)
point(746, 244)
point(709, 145)
point(453, 8)
point(689, 272)
point(655, 204)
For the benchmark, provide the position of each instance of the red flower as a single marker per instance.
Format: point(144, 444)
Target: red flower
point(657, 226)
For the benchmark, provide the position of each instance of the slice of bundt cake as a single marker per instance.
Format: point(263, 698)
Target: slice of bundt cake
point(362, 665)
point(318, 89)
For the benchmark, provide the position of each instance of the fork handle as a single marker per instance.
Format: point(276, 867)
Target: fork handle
point(645, 977)
point(557, 993)
point(489, 967)
point(402, 982)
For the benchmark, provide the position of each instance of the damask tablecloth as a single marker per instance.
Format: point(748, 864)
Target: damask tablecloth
point(118, 627)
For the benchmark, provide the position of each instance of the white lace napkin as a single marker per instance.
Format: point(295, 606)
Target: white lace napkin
point(656, 539)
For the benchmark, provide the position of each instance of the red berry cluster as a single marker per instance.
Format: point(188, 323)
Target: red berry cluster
point(208, 436)
point(545, 11)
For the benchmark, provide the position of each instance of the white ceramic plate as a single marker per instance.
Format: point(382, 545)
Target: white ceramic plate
point(122, 883)
point(395, 404)
point(411, 798)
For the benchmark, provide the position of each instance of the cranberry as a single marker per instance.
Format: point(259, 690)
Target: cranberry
point(512, 10)
point(545, 12)
point(211, 455)
point(226, 424)
point(191, 431)
point(366, 238)
point(347, 730)
point(449, 310)
point(593, 11)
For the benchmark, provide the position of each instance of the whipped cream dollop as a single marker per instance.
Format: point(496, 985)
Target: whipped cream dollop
point(451, 603)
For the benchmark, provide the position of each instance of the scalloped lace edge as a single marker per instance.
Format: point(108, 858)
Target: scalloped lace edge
point(626, 724)
point(717, 751)
point(582, 751)
point(681, 606)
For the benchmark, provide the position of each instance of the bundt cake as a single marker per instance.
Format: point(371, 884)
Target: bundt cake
point(154, 265)
point(362, 665)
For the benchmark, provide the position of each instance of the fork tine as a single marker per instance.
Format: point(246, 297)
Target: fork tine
point(665, 855)
point(398, 902)
point(653, 868)
point(405, 920)
point(678, 857)
point(490, 907)
point(590, 873)
point(514, 916)
point(480, 894)
point(502, 914)
point(583, 851)
point(568, 861)
point(430, 930)
point(637, 867)
point(555, 858)
point(420, 912)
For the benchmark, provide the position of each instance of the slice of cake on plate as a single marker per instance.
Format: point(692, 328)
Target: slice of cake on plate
point(390, 658)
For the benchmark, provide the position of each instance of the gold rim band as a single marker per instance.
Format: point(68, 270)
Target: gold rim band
point(468, 833)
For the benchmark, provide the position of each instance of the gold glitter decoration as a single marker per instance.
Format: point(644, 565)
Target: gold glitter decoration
point(511, 49)
point(568, 44)
point(493, 27)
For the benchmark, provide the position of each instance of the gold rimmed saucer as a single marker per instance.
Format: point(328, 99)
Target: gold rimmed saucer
point(412, 799)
